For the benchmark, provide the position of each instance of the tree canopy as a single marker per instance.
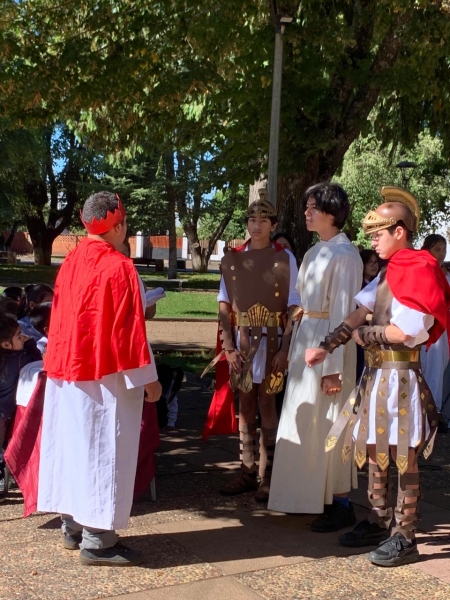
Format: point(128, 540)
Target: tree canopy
point(198, 74)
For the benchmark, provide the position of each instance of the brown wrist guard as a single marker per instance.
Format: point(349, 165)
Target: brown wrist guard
point(225, 333)
point(375, 334)
point(340, 336)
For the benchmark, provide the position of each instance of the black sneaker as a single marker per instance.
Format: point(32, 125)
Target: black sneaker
point(116, 556)
point(364, 534)
point(72, 542)
point(335, 517)
point(394, 552)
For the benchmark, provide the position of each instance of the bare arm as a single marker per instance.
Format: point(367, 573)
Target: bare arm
point(232, 354)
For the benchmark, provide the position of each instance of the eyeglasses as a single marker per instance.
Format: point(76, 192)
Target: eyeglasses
point(372, 263)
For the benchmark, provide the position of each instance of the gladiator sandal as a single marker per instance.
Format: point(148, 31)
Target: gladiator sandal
point(341, 335)
point(373, 334)
point(247, 479)
point(370, 533)
point(267, 441)
point(379, 494)
point(406, 513)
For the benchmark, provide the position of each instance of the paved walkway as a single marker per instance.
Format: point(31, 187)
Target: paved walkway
point(185, 336)
point(198, 544)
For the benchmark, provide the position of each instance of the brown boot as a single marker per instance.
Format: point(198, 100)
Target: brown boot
point(245, 482)
point(262, 495)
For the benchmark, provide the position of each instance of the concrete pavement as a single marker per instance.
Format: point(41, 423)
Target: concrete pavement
point(199, 544)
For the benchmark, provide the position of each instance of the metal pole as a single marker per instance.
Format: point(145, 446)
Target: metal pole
point(272, 175)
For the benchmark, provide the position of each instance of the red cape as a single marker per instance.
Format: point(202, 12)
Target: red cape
point(417, 281)
point(276, 245)
point(221, 419)
point(97, 325)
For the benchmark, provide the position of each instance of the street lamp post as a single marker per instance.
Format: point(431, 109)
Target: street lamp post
point(404, 165)
point(272, 175)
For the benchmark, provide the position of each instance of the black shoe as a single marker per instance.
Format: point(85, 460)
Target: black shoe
point(116, 556)
point(394, 552)
point(335, 517)
point(364, 534)
point(72, 542)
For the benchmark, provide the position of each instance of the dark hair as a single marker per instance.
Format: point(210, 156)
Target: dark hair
point(33, 293)
point(431, 240)
point(287, 237)
point(332, 199)
point(409, 233)
point(13, 292)
point(40, 317)
point(98, 205)
point(367, 254)
point(9, 306)
point(8, 327)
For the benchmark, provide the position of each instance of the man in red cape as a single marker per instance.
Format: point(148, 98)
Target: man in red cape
point(392, 410)
point(98, 364)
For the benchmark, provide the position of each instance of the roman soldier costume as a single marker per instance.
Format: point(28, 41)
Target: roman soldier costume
point(259, 285)
point(392, 406)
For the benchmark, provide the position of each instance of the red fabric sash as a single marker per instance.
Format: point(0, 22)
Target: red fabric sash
point(416, 280)
point(221, 419)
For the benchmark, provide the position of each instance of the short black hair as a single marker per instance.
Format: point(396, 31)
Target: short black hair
point(429, 242)
point(409, 233)
point(40, 317)
point(34, 292)
point(14, 292)
point(366, 254)
point(98, 205)
point(287, 237)
point(332, 199)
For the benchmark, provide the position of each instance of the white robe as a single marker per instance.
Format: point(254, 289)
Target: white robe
point(434, 362)
point(304, 476)
point(89, 446)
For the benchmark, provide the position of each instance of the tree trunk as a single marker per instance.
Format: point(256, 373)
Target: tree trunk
point(290, 210)
point(171, 211)
point(11, 236)
point(42, 240)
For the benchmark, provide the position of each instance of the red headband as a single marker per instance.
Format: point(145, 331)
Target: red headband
point(97, 227)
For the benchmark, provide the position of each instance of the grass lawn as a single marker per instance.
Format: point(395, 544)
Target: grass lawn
point(188, 304)
point(24, 274)
point(194, 363)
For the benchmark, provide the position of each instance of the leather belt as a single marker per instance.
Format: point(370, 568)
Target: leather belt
point(375, 357)
point(312, 314)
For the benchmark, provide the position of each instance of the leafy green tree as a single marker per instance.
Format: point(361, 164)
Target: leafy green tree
point(122, 70)
point(368, 166)
point(48, 169)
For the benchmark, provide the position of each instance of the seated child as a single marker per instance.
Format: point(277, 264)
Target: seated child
point(35, 294)
point(40, 320)
point(16, 351)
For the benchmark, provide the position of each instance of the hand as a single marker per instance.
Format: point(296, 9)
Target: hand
point(234, 360)
point(153, 390)
point(356, 337)
point(279, 362)
point(150, 312)
point(315, 356)
point(331, 385)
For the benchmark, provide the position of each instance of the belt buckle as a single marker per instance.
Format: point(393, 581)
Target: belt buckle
point(374, 356)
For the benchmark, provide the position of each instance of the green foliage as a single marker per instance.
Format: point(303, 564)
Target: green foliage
point(368, 166)
point(218, 207)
